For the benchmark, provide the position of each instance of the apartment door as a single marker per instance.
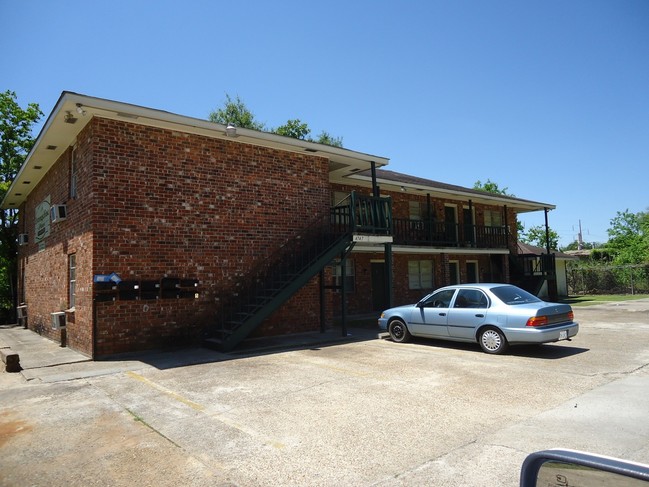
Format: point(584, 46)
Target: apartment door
point(469, 232)
point(472, 272)
point(454, 272)
point(450, 221)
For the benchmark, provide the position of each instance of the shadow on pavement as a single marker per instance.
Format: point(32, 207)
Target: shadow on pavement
point(546, 351)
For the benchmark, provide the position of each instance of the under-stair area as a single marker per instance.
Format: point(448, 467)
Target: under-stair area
point(266, 288)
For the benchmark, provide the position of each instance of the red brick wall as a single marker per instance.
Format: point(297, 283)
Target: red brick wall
point(154, 203)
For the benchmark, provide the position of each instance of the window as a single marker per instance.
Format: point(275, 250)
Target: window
point(350, 276)
point(471, 298)
point(418, 210)
point(415, 210)
point(493, 218)
point(72, 266)
point(420, 274)
point(441, 299)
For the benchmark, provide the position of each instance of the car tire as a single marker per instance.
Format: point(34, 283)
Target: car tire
point(492, 341)
point(399, 331)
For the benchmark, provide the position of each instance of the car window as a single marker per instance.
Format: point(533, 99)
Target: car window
point(440, 299)
point(471, 298)
point(513, 295)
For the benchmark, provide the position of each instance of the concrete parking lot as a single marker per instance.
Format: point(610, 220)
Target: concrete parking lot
point(361, 411)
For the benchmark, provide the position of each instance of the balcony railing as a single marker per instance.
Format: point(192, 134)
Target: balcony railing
point(362, 214)
point(442, 234)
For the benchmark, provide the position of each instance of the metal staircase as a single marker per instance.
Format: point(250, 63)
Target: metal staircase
point(268, 287)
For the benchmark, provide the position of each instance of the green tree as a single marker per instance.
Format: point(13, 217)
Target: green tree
point(491, 187)
point(328, 139)
point(235, 112)
point(574, 245)
point(15, 143)
point(536, 236)
point(294, 128)
point(629, 237)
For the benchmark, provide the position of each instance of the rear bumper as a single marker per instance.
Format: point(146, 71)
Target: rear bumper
point(541, 334)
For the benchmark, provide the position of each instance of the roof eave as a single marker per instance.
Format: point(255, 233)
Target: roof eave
point(57, 135)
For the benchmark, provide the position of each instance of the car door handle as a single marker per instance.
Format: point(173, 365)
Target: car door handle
point(442, 314)
point(479, 315)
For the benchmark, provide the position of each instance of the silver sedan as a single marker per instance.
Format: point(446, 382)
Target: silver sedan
point(493, 315)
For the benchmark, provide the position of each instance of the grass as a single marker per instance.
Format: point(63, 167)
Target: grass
point(590, 299)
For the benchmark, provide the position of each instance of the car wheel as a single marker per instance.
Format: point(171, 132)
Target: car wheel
point(399, 331)
point(492, 341)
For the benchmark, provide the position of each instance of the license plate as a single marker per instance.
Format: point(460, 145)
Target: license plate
point(563, 335)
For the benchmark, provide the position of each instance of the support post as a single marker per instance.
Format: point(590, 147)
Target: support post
point(343, 303)
point(375, 188)
point(388, 274)
point(323, 313)
point(547, 231)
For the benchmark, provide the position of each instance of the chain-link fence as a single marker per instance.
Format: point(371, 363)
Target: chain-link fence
point(608, 279)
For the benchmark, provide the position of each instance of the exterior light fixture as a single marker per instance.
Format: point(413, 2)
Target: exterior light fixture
point(69, 118)
point(80, 109)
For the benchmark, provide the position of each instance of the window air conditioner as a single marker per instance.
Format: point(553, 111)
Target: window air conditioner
point(58, 320)
point(23, 239)
point(22, 311)
point(58, 213)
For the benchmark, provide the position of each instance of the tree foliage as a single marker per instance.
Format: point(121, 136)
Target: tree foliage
point(15, 143)
point(294, 128)
point(574, 245)
point(235, 112)
point(536, 236)
point(491, 187)
point(328, 139)
point(629, 237)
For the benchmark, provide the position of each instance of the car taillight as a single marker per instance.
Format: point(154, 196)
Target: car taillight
point(571, 316)
point(537, 321)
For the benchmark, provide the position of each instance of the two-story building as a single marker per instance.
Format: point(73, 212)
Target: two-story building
point(141, 229)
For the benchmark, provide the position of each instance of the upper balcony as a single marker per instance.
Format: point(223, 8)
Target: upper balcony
point(441, 234)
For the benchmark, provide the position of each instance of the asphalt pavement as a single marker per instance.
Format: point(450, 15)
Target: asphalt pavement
point(324, 409)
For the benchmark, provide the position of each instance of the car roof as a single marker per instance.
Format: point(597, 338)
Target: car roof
point(479, 285)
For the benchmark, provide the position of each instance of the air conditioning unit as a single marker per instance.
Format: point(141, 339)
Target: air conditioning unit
point(22, 311)
point(23, 239)
point(58, 213)
point(58, 320)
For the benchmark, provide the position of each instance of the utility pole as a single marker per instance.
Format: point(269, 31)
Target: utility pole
point(580, 240)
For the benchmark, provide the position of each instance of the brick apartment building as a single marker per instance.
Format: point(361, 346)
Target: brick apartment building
point(143, 229)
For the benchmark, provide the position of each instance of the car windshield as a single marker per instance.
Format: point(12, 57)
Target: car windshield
point(514, 295)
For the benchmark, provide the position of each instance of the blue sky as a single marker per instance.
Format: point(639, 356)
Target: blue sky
point(549, 99)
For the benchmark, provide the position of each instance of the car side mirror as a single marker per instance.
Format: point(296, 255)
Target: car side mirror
point(564, 468)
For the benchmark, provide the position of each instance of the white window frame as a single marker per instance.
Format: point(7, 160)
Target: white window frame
point(72, 276)
point(420, 274)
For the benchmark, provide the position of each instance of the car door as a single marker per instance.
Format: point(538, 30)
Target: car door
point(468, 313)
point(429, 316)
